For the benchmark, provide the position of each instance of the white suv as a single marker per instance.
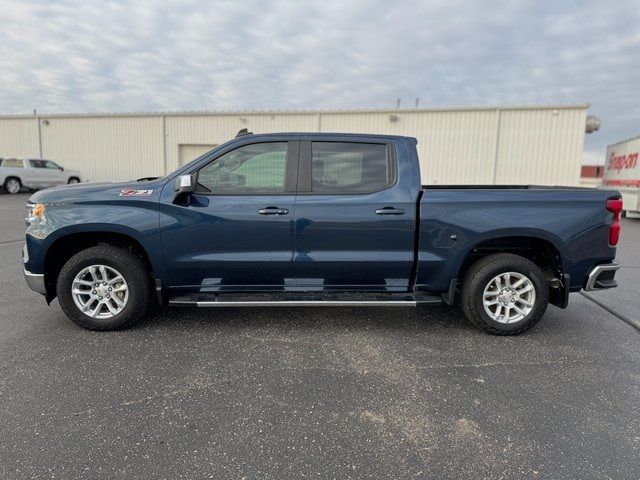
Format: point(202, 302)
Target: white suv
point(33, 173)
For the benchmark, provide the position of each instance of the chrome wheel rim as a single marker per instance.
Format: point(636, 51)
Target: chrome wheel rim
point(13, 186)
point(509, 297)
point(100, 291)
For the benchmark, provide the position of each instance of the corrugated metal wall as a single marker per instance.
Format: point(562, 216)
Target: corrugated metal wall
point(513, 145)
point(19, 136)
point(106, 148)
point(541, 147)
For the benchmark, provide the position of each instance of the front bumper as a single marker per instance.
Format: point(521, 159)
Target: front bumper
point(601, 277)
point(35, 281)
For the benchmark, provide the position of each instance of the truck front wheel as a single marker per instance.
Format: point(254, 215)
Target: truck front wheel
point(504, 294)
point(104, 288)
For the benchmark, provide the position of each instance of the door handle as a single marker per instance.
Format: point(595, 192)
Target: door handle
point(390, 211)
point(273, 211)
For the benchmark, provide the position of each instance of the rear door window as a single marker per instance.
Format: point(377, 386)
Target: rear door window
point(346, 168)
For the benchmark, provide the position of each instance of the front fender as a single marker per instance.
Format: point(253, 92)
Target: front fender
point(138, 222)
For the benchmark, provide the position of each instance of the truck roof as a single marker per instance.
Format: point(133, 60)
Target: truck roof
point(242, 134)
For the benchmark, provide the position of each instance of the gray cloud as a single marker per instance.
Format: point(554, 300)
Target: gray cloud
point(79, 56)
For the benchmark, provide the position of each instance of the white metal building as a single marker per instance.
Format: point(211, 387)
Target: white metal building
point(504, 145)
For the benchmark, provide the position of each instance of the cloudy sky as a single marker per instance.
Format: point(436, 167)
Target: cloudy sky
point(104, 56)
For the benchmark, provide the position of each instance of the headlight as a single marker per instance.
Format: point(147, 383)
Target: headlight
point(35, 212)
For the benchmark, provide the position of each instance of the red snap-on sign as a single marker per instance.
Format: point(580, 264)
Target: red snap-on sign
point(620, 162)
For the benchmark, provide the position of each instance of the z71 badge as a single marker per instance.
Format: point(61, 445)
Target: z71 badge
point(135, 193)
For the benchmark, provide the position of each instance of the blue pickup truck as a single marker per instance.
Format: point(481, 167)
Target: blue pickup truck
point(305, 219)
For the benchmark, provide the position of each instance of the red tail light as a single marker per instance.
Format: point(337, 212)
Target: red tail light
point(614, 205)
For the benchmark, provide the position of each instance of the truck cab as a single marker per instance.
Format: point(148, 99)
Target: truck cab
point(315, 204)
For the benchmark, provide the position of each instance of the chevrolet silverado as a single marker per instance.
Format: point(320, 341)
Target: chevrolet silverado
point(317, 219)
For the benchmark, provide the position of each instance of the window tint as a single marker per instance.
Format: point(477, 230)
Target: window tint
point(253, 169)
point(12, 163)
point(37, 164)
point(350, 167)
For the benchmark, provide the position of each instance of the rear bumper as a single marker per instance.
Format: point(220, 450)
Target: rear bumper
point(602, 276)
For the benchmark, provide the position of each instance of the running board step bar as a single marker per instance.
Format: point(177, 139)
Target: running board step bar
point(289, 300)
point(299, 303)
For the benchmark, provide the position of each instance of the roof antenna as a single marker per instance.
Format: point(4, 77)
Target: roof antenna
point(242, 132)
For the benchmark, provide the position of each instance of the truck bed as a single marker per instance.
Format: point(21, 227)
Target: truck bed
point(456, 219)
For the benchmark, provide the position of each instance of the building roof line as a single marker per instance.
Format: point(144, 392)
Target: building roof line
point(299, 112)
point(624, 141)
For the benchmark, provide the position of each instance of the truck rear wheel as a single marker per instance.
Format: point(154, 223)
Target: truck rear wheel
point(104, 288)
point(504, 294)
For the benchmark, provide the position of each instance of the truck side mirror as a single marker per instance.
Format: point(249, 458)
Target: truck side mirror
point(185, 184)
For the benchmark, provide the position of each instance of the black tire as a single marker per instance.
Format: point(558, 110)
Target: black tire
point(128, 265)
point(73, 180)
point(479, 276)
point(7, 187)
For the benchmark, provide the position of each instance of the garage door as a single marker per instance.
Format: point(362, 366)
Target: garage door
point(190, 152)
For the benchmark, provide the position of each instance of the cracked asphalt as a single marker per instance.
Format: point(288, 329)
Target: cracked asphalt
point(322, 393)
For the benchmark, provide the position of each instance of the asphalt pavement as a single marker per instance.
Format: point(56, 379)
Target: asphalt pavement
point(323, 393)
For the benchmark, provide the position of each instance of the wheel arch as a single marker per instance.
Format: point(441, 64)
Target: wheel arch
point(66, 245)
point(547, 253)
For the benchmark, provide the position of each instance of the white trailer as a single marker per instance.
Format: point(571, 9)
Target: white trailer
point(622, 173)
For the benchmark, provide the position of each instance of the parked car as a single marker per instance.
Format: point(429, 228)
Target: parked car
point(622, 172)
point(317, 219)
point(34, 174)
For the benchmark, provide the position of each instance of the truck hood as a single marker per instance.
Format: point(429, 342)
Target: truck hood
point(79, 193)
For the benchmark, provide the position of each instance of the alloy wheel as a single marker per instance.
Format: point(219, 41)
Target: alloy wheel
point(509, 297)
point(100, 291)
